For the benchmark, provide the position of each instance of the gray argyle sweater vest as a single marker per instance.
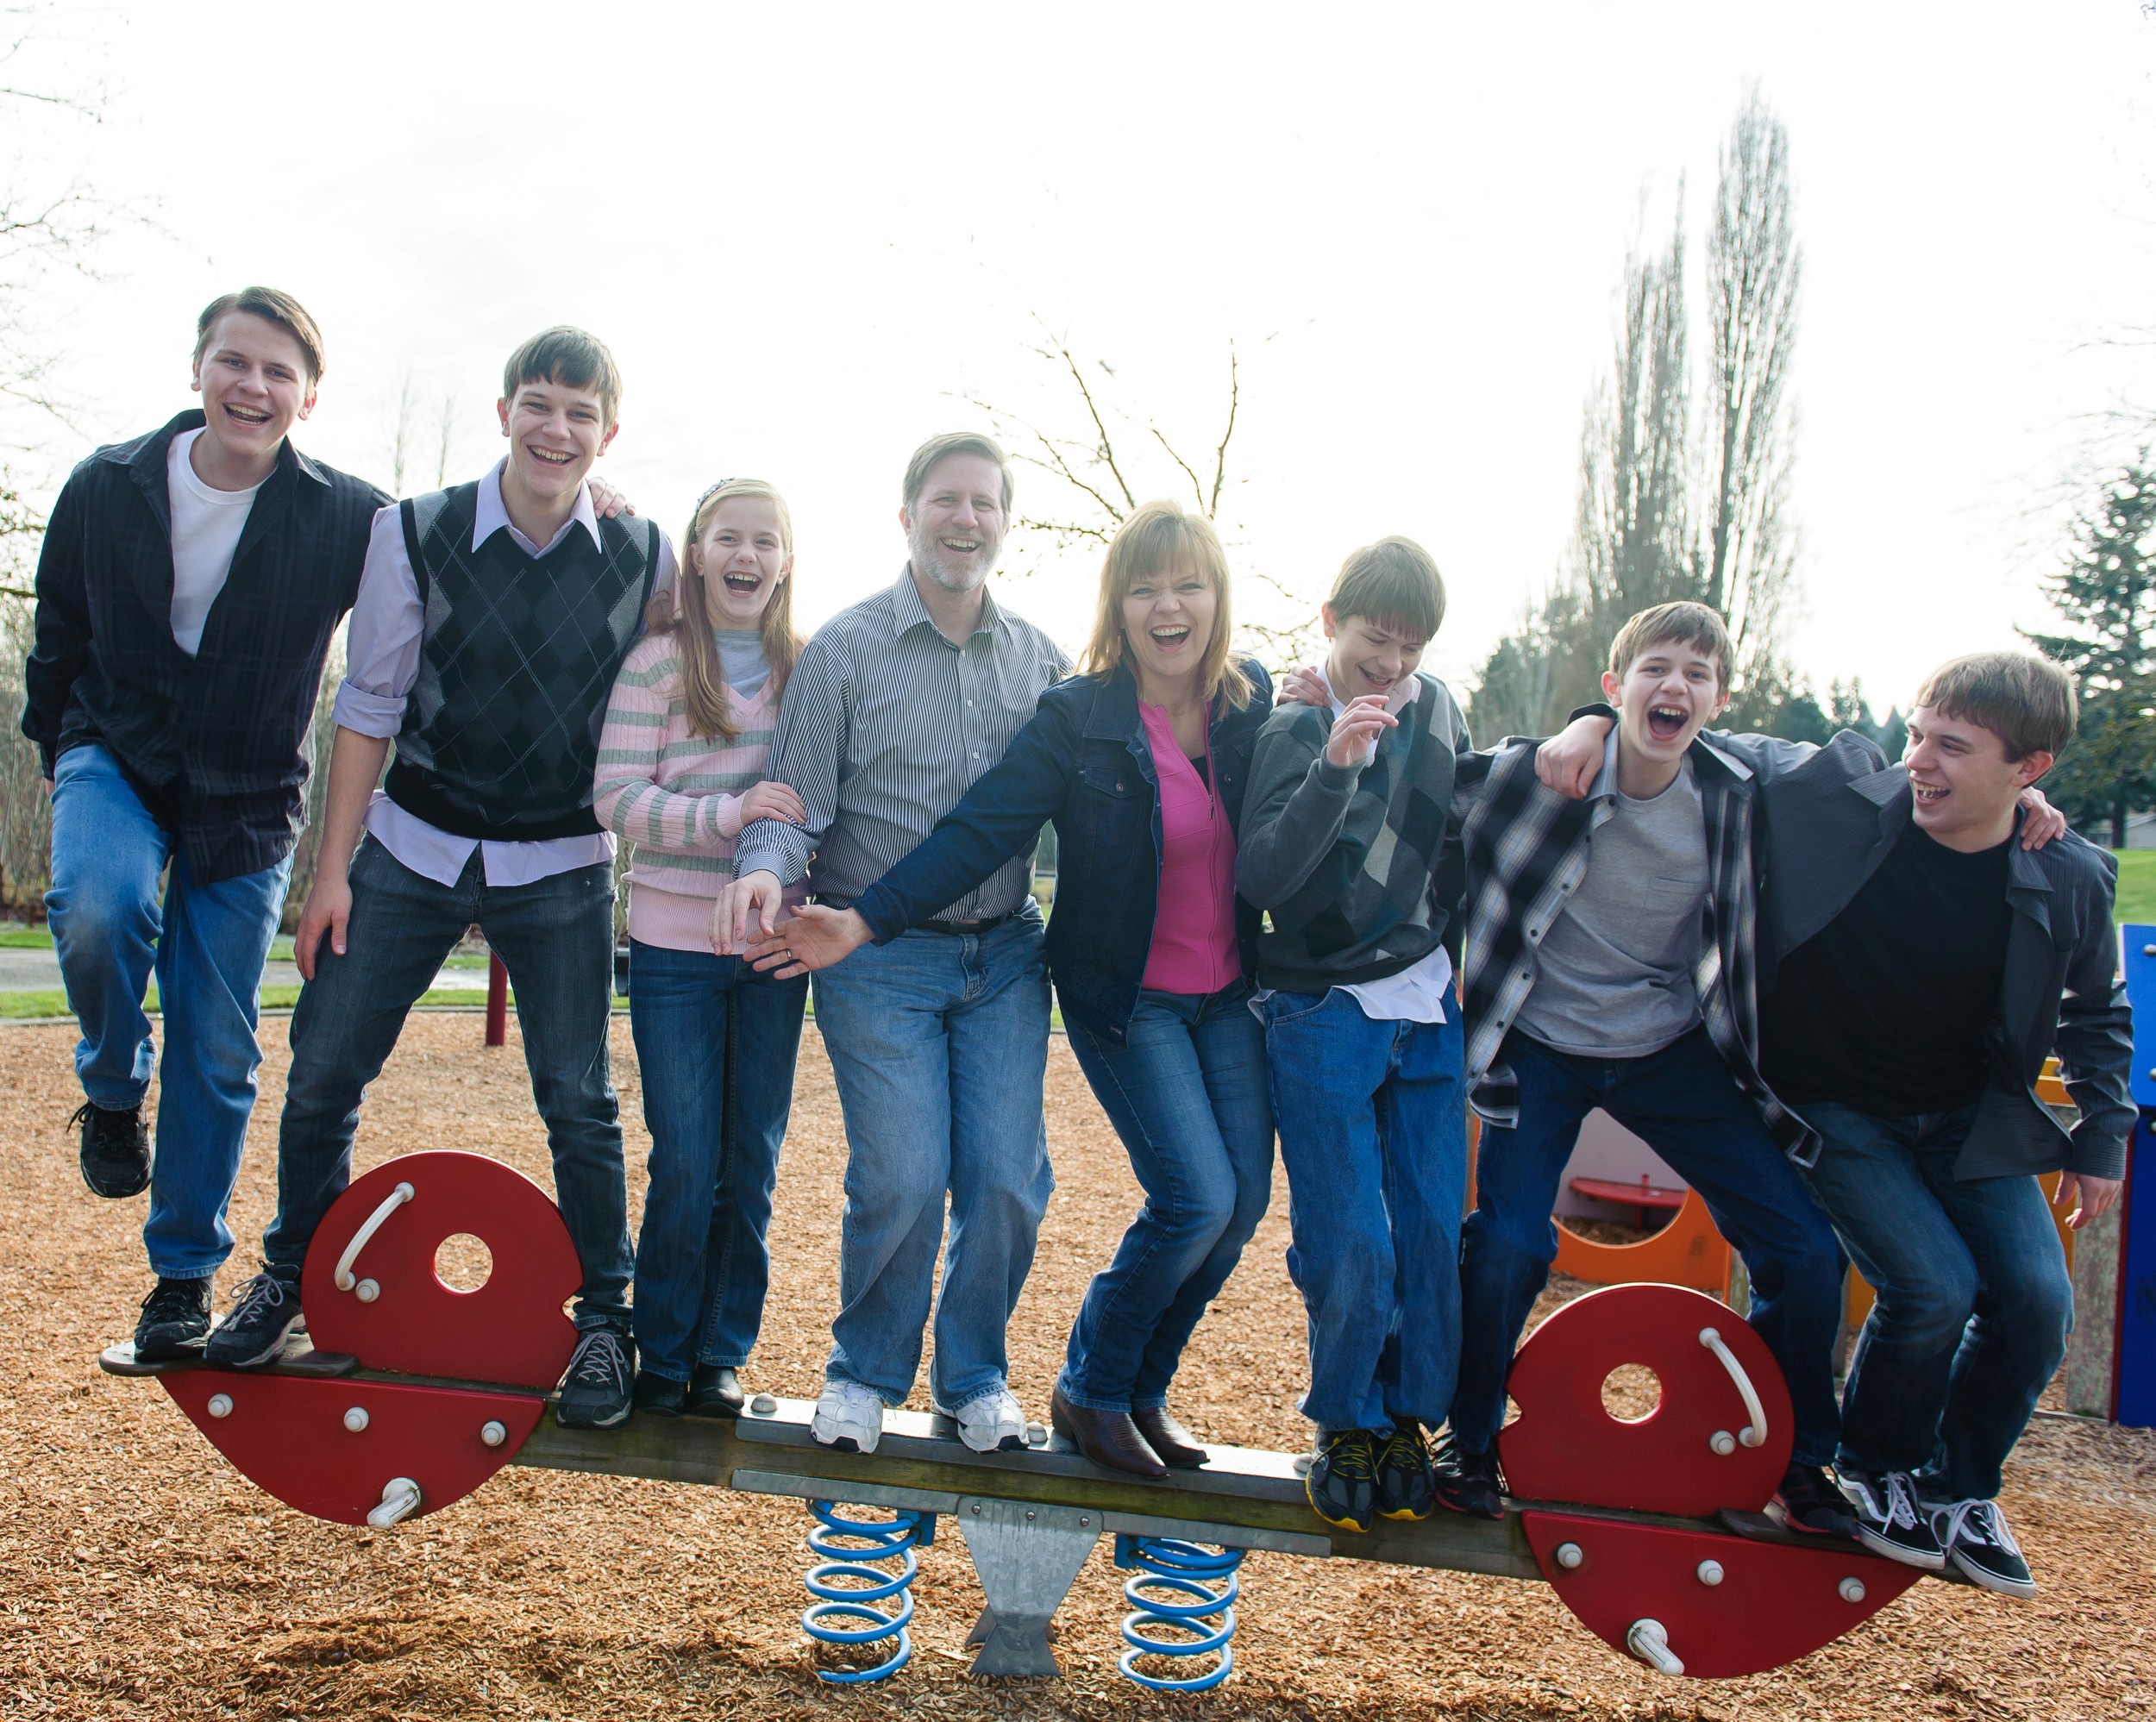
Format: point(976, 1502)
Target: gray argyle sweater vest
point(517, 657)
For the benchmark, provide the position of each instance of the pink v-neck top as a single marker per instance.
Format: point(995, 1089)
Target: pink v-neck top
point(1193, 927)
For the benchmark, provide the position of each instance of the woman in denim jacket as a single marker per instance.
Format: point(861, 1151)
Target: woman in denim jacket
point(1141, 760)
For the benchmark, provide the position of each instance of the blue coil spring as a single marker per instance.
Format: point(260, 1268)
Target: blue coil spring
point(1189, 1573)
point(867, 1583)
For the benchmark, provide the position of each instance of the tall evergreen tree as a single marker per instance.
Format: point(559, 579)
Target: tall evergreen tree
point(2107, 595)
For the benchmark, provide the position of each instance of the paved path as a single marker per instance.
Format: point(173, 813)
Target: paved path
point(38, 971)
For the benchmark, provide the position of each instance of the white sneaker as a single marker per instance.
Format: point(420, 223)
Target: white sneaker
point(993, 1423)
point(849, 1417)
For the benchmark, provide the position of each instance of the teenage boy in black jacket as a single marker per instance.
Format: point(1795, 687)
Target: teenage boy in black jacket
point(187, 593)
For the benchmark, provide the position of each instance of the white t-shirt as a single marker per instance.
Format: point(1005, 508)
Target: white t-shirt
point(206, 528)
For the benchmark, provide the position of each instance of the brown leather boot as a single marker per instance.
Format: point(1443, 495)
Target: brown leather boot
point(1176, 1446)
point(1106, 1437)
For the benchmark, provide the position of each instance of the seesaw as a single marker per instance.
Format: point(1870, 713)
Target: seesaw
point(1652, 1532)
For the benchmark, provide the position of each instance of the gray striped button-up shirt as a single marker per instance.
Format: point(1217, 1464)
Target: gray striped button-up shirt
point(884, 727)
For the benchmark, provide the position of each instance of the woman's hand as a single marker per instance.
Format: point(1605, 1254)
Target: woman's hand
point(2041, 823)
point(772, 800)
point(1356, 728)
point(815, 937)
point(1302, 685)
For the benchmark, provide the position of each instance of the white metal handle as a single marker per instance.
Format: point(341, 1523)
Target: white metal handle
point(400, 1500)
point(1755, 1433)
point(1649, 1640)
point(395, 1199)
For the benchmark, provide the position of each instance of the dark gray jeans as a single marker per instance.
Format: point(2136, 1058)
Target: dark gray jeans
point(556, 937)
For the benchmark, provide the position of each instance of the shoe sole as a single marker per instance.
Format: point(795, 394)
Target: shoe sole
point(1896, 1552)
point(1356, 1526)
point(173, 1351)
point(712, 1408)
point(2020, 1590)
point(613, 1422)
point(1413, 1517)
point(92, 1185)
point(254, 1360)
point(843, 1443)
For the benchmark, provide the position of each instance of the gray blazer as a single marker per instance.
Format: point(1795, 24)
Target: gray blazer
point(1828, 816)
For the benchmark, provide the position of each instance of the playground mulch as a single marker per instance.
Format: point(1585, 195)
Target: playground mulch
point(140, 1577)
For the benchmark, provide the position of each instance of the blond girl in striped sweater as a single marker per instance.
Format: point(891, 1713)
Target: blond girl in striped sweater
point(681, 766)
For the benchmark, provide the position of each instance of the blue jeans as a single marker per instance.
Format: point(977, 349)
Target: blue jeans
point(1185, 1091)
point(715, 1042)
point(940, 1045)
point(1974, 1304)
point(1683, 1103)
point(207, 943)
point(556, 937)
point(1373, 1131)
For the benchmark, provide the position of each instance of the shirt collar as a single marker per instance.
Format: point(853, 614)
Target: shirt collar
point(908, 612)
point(492, 516)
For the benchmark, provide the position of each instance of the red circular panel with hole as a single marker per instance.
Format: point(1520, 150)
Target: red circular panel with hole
point(1691, 1454)
point(395, 1313)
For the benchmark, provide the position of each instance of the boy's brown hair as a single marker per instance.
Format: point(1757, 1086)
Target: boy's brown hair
point(2025, 700)
point(953, 442)
point(272, 306)
point(570, 358)
point(1682, 624)
point(1393, 583)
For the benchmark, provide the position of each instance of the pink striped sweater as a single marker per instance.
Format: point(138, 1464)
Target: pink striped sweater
point(676, 796)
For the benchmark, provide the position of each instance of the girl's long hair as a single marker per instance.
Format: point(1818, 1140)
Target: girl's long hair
point(689, 618)
point(1159, 538)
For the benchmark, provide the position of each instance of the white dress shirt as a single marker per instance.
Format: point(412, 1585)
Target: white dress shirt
point(382, 663)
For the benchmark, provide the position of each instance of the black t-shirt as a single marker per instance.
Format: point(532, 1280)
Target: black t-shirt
point(1885, 1008)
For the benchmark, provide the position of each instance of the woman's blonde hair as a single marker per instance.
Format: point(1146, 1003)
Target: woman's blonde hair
point(1160, 538)
point(689, 619)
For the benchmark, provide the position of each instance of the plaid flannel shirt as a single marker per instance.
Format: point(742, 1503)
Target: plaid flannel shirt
point(1525, 849)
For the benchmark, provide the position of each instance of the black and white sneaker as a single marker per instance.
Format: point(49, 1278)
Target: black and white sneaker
point(260, 1322)
point(1889, 1521)
point(602, 1377)
point(1981, 1548)
point(175, 1321)
point(115, 1150)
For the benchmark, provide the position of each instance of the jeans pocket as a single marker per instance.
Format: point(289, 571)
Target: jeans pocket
point(1283, 1008)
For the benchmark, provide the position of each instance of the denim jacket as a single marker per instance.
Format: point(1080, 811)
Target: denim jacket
point(1084, 762)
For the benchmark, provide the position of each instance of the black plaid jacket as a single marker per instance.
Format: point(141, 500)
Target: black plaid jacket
point(1525, 852)
point(216, 743)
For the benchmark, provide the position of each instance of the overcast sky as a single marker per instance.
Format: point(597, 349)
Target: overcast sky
point(809, 233)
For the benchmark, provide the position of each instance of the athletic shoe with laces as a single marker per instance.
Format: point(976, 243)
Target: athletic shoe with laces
point(1810, 1503)
point(115, 1150)
point(1342, 1482)
point(1467, 1482)
point(602, 1378)
point(1888, 1520)
point(175, 1321)
point(849, 1417)
point(260, 1321)
point(1405, 1487)
point(994, 1422)
point(1981, 1548)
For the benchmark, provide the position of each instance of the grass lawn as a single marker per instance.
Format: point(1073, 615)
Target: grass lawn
point(2137, 887)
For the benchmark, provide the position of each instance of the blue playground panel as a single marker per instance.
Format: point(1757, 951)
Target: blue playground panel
point(2136, 1353)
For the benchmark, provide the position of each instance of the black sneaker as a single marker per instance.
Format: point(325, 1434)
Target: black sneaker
point(175, 1321)
point(1406, 1488)
point(602, 1370)
point(1811, 1503)
point(1889, 1521)
point(1342, 1482)
point(115, 1151)
point(714, 1391)
point(1981, 1548)
point(659, 1396)
point(1467, 1482)
point(260, 1322)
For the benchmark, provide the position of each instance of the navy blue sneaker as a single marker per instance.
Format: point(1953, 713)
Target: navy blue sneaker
point(261, 1321)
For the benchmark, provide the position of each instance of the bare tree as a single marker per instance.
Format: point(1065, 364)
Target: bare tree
point(1754, 269)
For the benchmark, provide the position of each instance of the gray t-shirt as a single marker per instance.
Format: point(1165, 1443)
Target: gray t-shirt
point(1614, 979)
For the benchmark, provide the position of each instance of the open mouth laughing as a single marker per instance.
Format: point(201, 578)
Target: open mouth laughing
point(1171, 637)
point(1666, 722)
point(551, 457)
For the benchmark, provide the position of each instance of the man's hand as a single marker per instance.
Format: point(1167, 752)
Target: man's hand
point(1570, 761)
point(2040, 822)
point(1356, 728)
point(756, 897)
point(1302, 685)
point(328, 907)
point(2092, 1197)
point(607, 502)
point(815, 937)
point(772, 800)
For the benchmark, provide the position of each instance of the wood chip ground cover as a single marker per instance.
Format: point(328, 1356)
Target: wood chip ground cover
point(141, 1577)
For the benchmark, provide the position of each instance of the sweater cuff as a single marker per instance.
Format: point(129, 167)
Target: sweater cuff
point(1338, 779)
point(879, 907)
point(726, 816)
